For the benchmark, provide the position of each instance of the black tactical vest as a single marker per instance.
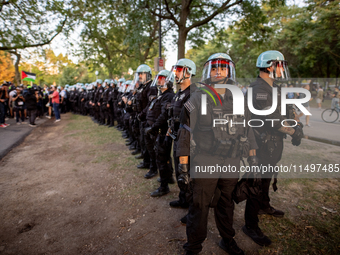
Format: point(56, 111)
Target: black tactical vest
point(219, 131)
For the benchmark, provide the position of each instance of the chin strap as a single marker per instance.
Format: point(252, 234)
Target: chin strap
point(183, 78)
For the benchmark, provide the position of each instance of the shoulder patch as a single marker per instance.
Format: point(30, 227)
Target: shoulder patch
point(189, 106)
point(261, 96)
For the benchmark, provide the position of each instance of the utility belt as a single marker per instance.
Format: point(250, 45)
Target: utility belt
point(267, 140)
point(232, 148)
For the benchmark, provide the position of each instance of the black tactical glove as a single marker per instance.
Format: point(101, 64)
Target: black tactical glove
point(297, 136)
point(183, 178)
point(148, 130)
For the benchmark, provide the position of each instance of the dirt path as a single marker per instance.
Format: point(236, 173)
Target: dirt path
point(73, 188)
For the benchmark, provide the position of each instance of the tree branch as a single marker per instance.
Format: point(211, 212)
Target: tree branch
point(170, 13)
point(24, 46)
point(223, 7)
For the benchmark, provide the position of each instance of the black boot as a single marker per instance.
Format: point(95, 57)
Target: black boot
point(129, 143)
point(230, 246)
point(272, 211)
point(257, 236)
point(143, 165)
point(184, 219)
point(150, 174)
point(161, 191)
point(140, 156)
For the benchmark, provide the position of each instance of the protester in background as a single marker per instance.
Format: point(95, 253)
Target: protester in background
point(12, 93)
point(290, 95)
point(31, 100)
point(3, 98)
point(301, 95)
point(49, 104)
point(18, 106)
point(40, 106)
point(55, 102)
point(319, 97)
point(335, 99)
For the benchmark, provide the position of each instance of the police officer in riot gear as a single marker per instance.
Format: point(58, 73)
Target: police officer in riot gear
point(112, 98)
point(96, 100)
point(273, 68)
point(132, 110)
point(208, 145)
point(145, 94)
point(157, 116)
point(182, 73)
point(117, 103)
point(105, 105)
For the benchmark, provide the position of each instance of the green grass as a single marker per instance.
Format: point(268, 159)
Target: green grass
point(314, 230)
point(307, 228)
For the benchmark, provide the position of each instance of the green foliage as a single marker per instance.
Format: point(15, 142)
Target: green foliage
point(117, 36)
point(307, 36)
point(29, 24)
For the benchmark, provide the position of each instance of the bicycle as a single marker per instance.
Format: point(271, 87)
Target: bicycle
point(330, 115)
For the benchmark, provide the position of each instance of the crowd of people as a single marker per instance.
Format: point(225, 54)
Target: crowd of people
point(163, 127)
point(28, 103)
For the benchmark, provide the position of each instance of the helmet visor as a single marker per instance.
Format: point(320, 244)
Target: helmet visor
point(178, 74)
point(141, 78)
point(279, 70)
point(218, 71)
point(160, 81)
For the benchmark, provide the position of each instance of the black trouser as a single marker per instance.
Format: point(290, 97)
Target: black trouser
point(19, 112)
point(96, 111)
point(150, 140)
point(203, 191)
point(163, 161)
point(131, 127)
point(262, 201)
point(103, 113)
point(74, 108)
point(32, 115)
point(182, 194)
point(63, 106)
point(144, 151)
point(111, 115)
point(255, 203)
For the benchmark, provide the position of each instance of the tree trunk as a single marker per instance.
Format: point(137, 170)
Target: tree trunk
point(16, 67)
point(182, 37)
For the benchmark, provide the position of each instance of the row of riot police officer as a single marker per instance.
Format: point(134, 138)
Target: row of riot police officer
point(155, 120)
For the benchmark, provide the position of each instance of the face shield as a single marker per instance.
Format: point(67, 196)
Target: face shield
point(218, 71)
point(134, 86)
point(120, 87)
point(141, 78)
point(279, 70)
point(178, 74)
point(160, 82)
